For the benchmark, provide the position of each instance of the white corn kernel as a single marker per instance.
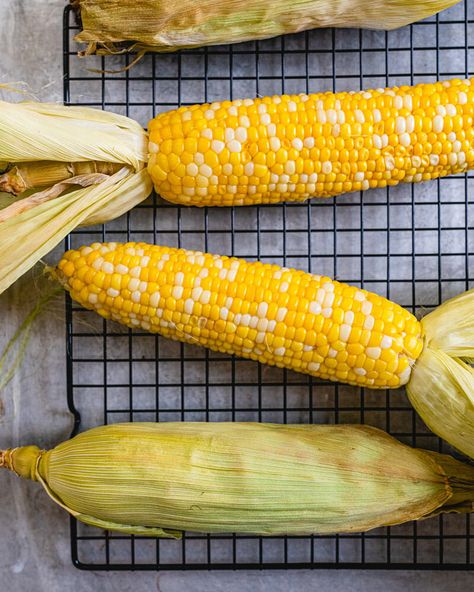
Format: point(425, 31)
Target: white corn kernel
point(373, 352)
point(177, 292)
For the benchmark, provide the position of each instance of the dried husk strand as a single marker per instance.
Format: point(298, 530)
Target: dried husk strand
point(89, 163)
point(160, 25)
point(159, 479)
point(15, 351)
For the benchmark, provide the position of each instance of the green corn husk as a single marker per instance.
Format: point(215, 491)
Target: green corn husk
point(160, 25)
point(158, 479)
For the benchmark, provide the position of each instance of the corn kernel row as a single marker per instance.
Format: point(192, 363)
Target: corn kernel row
point(275, 315)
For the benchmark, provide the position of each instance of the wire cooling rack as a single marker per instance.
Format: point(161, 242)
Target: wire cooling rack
point(413, 244)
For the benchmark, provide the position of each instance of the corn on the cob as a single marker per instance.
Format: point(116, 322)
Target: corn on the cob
point(231, 153)
point(160, 479)
point(283, 317)
point(277, 316)
point(291, 148)
point(159, 25)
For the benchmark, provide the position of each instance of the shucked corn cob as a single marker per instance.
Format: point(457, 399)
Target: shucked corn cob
point(159, 479)
point(230, 153)
point(282, 317)
point(274, 315)
point(290, 148)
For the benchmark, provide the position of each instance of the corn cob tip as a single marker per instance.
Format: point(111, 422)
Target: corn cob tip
point(11, 183)
point(55, 275)
point(459, 478)
point(22, 461)
point(5, 462)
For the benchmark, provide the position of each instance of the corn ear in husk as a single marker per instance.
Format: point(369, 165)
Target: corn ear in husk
point(109, 153)
point(159, 25)
point(159, 479)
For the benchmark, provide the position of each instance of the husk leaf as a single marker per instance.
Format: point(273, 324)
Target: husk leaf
point(158, 25)
point(42, 131)
point(33, 132)
point(441, 387)
point(250, 478)
point(26, 238)
point(442, 392)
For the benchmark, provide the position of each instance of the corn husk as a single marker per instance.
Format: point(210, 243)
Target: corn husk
point(36, 132)
point(159, 479)
point(441, 388)
point(159, 25)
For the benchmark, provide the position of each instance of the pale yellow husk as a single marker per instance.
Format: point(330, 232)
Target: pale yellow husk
point(41, 131)
point(159, 479)
point(160, 25)
point(36, 132)
point(441, 387)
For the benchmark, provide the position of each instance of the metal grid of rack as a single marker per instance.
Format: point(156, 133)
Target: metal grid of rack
point(412, 243)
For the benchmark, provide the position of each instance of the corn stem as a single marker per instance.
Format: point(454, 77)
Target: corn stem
point(30, 175)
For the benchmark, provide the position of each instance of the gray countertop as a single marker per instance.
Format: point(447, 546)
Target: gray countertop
point(34, 542)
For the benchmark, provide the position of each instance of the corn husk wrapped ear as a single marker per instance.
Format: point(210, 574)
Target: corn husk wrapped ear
point(89, 165)
point(159, 479)
point(160, 25)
